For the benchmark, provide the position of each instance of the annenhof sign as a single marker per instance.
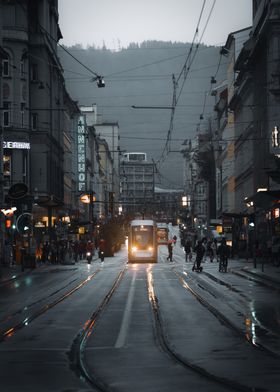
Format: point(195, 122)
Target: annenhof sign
point(81, 154)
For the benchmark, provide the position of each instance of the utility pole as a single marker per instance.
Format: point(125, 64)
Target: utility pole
point(91, 215)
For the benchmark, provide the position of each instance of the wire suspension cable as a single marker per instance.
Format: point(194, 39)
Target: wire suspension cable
point(185, 71)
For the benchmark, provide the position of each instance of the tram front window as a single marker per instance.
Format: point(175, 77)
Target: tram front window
point(142, 237)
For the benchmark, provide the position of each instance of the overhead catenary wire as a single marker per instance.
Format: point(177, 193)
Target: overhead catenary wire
point(175, 84)
point(184, 72)
point(97, 76)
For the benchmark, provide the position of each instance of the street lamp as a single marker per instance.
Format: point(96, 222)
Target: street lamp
point(89, 198)
point(99, 80)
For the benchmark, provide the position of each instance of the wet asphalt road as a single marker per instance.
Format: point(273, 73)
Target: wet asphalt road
point(224, 327)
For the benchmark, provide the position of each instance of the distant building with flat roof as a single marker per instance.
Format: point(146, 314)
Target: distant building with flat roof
point(137, 182)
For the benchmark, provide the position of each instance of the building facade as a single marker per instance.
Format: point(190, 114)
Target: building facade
point(137, 183)
point(38, 117)
point(108, 132)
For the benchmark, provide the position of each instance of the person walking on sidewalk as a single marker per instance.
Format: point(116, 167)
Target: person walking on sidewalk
point(214, 248)
point(45, 252)
point(170, 250)
point(188, 250)
point(200, 251)
point(223, 252)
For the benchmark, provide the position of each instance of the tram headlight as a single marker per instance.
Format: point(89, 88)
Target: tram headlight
point(134, 248)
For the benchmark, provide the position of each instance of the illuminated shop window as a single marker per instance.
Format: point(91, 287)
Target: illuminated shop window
point(7, 170)
point(7, 165)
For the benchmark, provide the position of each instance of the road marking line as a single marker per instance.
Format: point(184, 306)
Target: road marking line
point(126, 316)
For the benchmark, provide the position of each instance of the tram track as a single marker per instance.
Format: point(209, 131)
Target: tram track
point(225, 320)
point(77, 352)
point(43, 309)
point(34, 303)
point(78, 349)
point(186, 363)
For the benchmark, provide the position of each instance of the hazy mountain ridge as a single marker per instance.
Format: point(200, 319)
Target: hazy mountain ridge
point(141, 75)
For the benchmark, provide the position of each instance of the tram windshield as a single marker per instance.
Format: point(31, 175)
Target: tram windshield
point(142, 236)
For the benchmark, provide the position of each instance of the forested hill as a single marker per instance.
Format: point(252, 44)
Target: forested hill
point(141, 75)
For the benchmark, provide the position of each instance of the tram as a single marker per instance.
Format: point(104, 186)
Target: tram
point(142, 241)
point(162, 233)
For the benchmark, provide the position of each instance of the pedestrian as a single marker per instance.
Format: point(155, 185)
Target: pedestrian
point(214, 247)
point(76, 250)
point(210, 250)
point(102, 245)
point(81, 249)
point(90, 247)
point(223, 252)
point(175, 239)
point(200, 251)
point(61, 252)
point(45, 252)
point(204, 244)
point(188, 250)
point(53, 252)
point(275, 250)
point(170, 250)
point(102, 248)
point(268, 249)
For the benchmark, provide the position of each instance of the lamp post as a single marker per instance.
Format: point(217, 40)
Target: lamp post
point(89, 198)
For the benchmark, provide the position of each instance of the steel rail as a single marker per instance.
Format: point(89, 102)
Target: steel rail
point(20, 325)
point(224, 320)
point(77, 352)
point(163, 341)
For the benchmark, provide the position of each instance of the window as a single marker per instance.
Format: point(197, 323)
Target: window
point(22, 108)
point(24, 167)
point(7, 170)
point(6, 113)
point(149, 169)
point(7, 165)
point(34, 121)
point(22, 69)
point(5, 67)
point(34, 72)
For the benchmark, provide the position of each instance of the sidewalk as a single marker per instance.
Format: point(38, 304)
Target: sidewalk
point(265, 270)
point(11, 272)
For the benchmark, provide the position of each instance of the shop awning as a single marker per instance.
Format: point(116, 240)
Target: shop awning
point(49, 201)
point(264, 199)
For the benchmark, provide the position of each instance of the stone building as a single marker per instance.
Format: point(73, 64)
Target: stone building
point(38, 116)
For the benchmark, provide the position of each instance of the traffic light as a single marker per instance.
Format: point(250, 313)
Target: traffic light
point(8, 223)
point(24, 223)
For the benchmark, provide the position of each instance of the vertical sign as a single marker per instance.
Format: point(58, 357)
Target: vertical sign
point(81, 154)
point(275, 141)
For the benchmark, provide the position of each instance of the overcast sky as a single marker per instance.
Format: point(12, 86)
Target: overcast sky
point(119, 22)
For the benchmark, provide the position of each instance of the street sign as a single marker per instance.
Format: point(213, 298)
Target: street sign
point(24, 223)
point(18, 191)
